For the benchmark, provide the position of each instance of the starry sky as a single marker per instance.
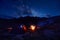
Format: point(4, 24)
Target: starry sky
point(40, 8)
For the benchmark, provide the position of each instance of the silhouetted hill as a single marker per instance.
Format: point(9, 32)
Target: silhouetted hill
point(27, 18)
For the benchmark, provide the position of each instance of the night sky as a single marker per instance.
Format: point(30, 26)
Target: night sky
point(40, 8)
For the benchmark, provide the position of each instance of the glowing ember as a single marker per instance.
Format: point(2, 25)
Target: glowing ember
point(24, 27)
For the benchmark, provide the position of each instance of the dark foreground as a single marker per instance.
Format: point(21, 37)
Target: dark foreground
point(49, 28)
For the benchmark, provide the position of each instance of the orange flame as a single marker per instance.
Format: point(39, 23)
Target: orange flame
point(32, 27)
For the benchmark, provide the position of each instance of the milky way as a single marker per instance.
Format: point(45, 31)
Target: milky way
point(40, 8)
